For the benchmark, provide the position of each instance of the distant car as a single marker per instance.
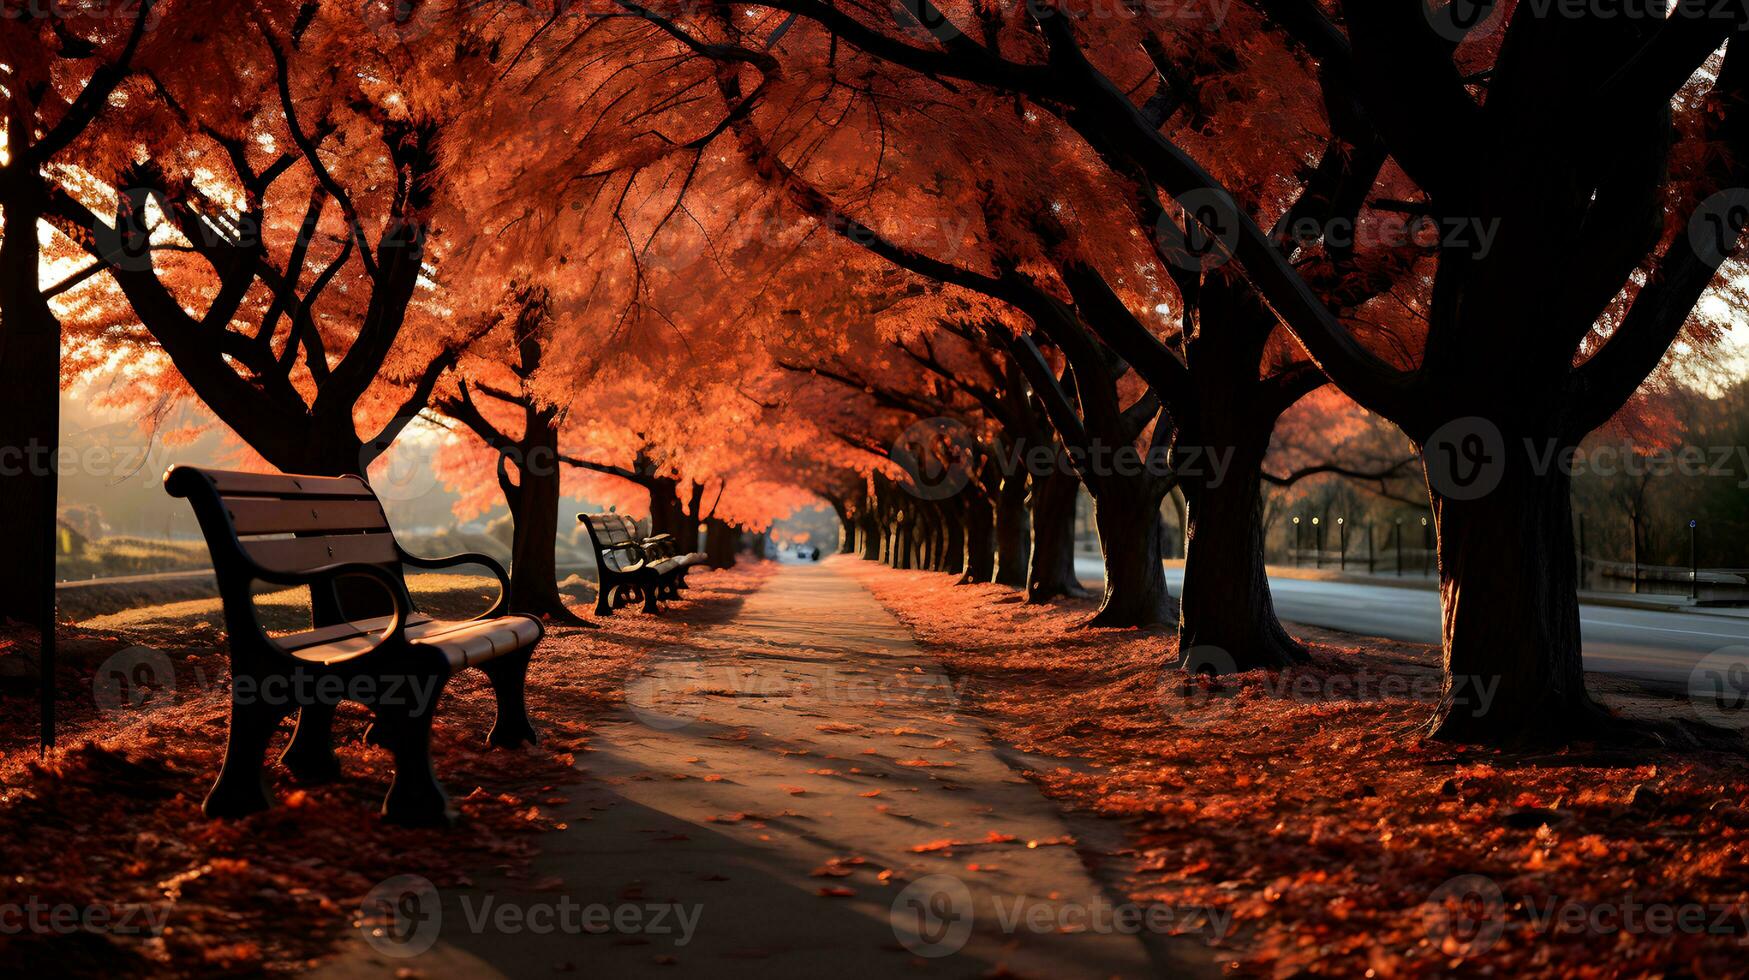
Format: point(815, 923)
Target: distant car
point(808, 551)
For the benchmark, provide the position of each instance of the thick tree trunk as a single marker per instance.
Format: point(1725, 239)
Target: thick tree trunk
point(30, 409)
point(1013, 539)
point(1509, 595)
point(954, 547)
point(687, 520)
point(980, 543)
point(534, 515)
point(923, 540)
point(721, 542)
point(868, 535)
point(1052, 504)
point(905, 548)
point(1227, 619)
point(30, 427)
point(667, 514)
point(846, 529)
point(1128, 517)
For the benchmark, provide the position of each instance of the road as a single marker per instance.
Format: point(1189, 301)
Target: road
point(1660, 648)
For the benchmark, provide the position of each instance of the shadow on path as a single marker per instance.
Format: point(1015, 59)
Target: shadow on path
point(792, 793)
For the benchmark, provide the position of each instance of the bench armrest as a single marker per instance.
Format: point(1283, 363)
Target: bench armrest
point(498, 608)
point(396, 589)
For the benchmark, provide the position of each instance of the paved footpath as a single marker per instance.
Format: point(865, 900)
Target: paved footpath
point(794, 797)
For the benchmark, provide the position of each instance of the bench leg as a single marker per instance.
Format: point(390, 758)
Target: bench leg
point(241, 788)
point(509, 677)
point(602, 605)
point(651, 589)
point(310, 756)
point(415, 797)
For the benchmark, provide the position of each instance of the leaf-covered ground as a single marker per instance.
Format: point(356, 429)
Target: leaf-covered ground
point(1307, 804)
point(107, 832)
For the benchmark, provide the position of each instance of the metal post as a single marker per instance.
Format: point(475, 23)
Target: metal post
point(1426, 546)
point(1369, 553)
point(1296, 542)
point(1342, 543)
point(1581, 551)
point(1399, 547)
point(1317, 543)
point(1693, 560)
point(1634, 546)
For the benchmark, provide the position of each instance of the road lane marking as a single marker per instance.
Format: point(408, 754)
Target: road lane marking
point(1665, 629)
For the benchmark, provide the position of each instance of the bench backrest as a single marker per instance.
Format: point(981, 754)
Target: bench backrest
point(285, 523)
point(608, 530)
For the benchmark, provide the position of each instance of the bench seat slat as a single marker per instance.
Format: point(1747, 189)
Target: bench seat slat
point(342, 631)
point(266, 515)
point(303, 554)
point(463, 644)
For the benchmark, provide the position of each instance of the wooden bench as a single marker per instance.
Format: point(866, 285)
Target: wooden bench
point(330, 534)
point(631, 566)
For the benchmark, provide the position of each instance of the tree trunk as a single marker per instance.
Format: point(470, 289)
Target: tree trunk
point(30, 426)
point(980, 543)
point(846, 530)
point(1509, 594)
point(666, 512)
point(721, 542)
point(30, 412)
point(1227, 619)
point(1052, 504)
point(534, 515)
point(687, 520)
point(954, 547)
point(868, 534)
point(1128, 517)
point(1012, 536)
point(923, 541)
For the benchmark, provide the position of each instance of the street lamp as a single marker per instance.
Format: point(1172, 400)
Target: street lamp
point(1399, 547)
point(1342, 543)
point(1426, 544)
point(1693, 560)
point(1317, 543)
point(1296, 542)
